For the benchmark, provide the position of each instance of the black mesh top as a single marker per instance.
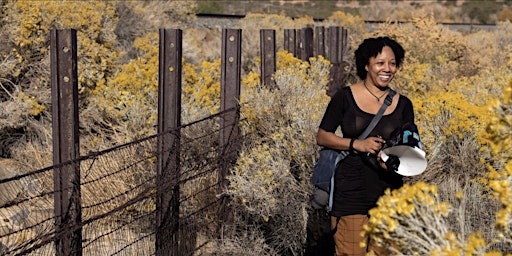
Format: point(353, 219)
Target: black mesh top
point(357, 184)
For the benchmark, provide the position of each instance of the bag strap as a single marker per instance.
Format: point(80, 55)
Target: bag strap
point(387, 101)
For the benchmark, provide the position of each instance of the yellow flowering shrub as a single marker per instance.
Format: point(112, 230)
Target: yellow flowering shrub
point(269, 173)
point(348, 21)
point(270, 181)
point(407, 217)
point(442, 114)
point(498, 132)
point(204, 94)
point(130, 97)
point(434, 54)
point(25, 51)
point(413, 220)
point(31, 22)
point(298, 83)
point(499, 135)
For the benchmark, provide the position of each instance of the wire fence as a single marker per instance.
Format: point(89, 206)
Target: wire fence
point(118, 193)
point(161, 195)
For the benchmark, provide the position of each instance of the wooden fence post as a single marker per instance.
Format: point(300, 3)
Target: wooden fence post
point(168, 157)
point(336, 45)
point(230, 97)
point(268, 56)
point(66, 146)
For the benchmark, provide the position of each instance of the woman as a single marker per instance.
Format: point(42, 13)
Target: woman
point(358, 183)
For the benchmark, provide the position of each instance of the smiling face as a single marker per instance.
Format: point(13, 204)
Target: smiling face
point(381, 68)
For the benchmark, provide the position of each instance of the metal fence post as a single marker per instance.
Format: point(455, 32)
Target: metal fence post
point(319, 45)
point(168, 162)
point(268, 56)
point(66, 147)
point(306, 43)
point(336, 45)
point(290, 38)
point(230, 97)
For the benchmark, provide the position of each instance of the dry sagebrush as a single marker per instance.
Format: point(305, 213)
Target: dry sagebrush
point(270, 182)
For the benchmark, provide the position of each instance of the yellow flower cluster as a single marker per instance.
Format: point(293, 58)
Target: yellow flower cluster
point(452, 114)
point(34, 106)
point(40, 17)
point(206, 93)
point(130, 96)
point(29, 24)
point(201, 89)
point(94, 21)
point(403, 202)
point(413, 221)
point(498, 132)
point(499, 135)
point(135, 94)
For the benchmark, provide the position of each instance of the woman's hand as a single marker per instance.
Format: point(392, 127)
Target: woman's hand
point(370, 145)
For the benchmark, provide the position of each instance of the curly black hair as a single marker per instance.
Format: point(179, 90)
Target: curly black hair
point(371, 47)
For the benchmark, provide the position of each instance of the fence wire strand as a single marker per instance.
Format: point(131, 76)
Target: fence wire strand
point(118, 191)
